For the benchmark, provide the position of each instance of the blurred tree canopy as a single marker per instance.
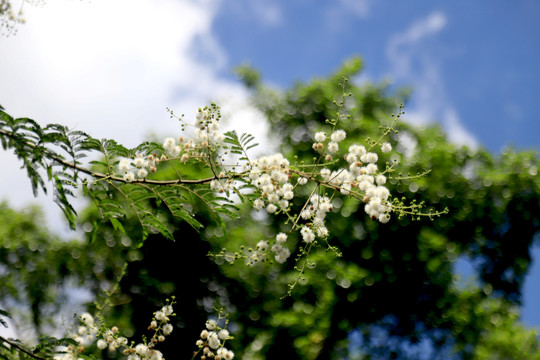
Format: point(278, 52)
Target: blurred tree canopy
point(392, 294)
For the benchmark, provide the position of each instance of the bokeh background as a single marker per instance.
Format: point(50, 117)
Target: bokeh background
point(111, 68)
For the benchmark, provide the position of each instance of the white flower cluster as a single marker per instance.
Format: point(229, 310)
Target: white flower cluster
point(174, 149)
point(270, 174)
point(110, 339)
point(362, 173)
point(86, 334)
point(332, 146)
point(315, 211)
point(138, 167)
point(207, 128)
point(87, 331)
point(207, 134)
point(161, 327)
point(212, 342)
point(222, 184)
point(281, 253)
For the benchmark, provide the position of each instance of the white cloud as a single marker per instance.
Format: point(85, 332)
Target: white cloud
point(360, 8)
point(457, 133)
point(338, 15)
point(415, 63)
point(269, 13)
point(261, 12)
point(110, 68)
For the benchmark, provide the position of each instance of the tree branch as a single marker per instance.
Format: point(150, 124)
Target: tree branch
point(20, 348)
point(99, 175)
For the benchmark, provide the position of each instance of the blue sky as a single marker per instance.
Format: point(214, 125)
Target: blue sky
point(111, 67)
point(475, 61)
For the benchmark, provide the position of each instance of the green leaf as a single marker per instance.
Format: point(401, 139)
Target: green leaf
point(47, 342)
point(117, 225)
point(180, 212)
point(153, 224)
point(6, 314)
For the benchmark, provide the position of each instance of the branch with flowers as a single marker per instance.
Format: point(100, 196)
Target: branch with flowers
point(208, 166)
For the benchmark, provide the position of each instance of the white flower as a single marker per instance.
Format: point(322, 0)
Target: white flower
point(338, 135)
point(213, 341)
point(211, 324)
point(223, 334)
point(369, 158)
point(305, 214)
point(169, 144)
point(357, 150)
point(156, 355)
point(101, 344)
point(167, 310)
point(382, 192)
point(258, 204)
point(225, 354)
point(262, 245)
point(371, 169)
point(124, 165)
point(288, 195)
point(320, 136)
point(141, 349)
point(215, 184)
point(386, 147)
point(271, 208)
point(201, 116)
point(204, 333)
point(282, 253)
point(273, 198)
point(140, 162)
point(351, 158)
point(381, 180)
point(282, 256)
point(307, 234)
point(87, 319)
point(121, 341)
point(325, 174)
point(129, 177)
point(384, 218)
point(333, 147)
point(160, 316)
point(268, 188)
point(142, 173)
point(281, 238)
point(302, 181)
point(167, 329)
point(322, 231)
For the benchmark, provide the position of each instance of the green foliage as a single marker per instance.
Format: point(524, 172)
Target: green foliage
point(47, 346)
point(57, 152)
